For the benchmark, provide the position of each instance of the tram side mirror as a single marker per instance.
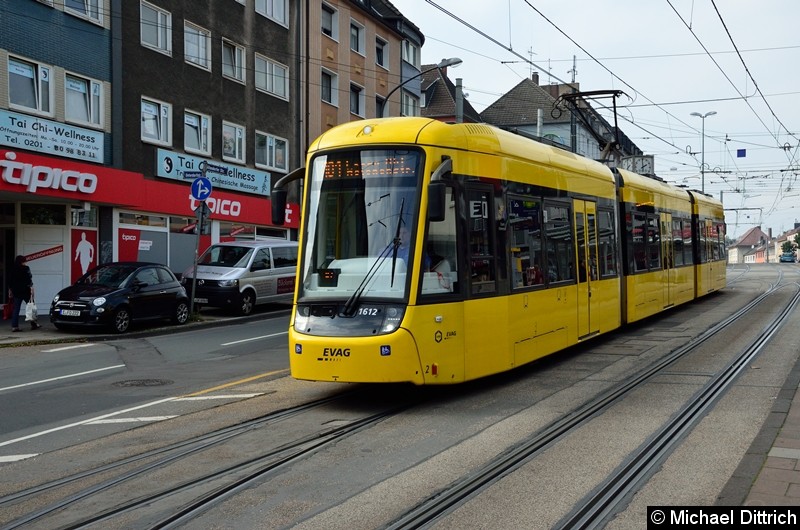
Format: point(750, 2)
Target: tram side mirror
point(436, 201)
point(278, 199)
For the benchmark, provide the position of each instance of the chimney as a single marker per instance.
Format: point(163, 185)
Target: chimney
point(535, 77)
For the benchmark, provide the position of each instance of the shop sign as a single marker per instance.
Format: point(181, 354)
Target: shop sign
point(21, 131)
point(41, 176)
point(183, 167)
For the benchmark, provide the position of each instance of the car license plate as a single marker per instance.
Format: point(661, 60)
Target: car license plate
point(70, 313)
point(201, 300)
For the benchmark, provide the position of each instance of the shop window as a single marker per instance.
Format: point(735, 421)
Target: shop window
point(84, 218)
point(236, 231)
point(263, 232)
point(182, 225)
point(43, 214)
point(139, 219)
point(7, 213)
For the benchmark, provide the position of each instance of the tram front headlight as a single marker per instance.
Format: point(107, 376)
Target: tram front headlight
point(392, 318)
point(301, 317)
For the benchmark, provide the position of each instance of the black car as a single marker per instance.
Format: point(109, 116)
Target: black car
point(115, 294)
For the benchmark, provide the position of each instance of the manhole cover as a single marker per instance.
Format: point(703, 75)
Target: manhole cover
point(144, 382)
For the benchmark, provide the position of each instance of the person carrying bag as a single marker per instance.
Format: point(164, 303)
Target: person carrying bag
point(21, 288)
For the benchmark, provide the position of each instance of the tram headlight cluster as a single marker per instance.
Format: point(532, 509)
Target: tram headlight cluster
point(392, 318)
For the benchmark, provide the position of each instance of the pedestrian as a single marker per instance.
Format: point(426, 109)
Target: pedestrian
point(21, 288)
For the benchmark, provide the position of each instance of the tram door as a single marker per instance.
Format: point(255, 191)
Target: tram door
point(667, 259)
point(586, 239)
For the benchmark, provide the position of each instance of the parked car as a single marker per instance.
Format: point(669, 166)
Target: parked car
point(115, 294)
point(787, 257)
point(240, 274)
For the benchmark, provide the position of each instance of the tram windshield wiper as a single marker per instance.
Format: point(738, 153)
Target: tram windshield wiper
point(350, 305)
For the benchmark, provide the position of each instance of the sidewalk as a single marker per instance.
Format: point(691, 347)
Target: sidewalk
point(208, 317)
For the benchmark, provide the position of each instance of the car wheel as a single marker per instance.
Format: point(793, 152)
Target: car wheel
point(247, 302)
point(122, 320)
point(181, 314)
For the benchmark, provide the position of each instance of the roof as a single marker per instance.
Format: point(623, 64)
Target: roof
point(440, 96)
point(519, 106)
point(753, 237)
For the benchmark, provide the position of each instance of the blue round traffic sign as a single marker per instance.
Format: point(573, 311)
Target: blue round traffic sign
point(201, 188)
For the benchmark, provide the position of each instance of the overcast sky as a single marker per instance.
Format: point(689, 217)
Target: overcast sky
point(670, 58)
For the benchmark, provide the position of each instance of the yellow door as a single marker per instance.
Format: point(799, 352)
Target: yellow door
point(586, 239)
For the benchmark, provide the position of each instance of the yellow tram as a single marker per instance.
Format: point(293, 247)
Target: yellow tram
point(437, 253)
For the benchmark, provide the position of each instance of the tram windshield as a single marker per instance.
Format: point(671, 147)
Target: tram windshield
point(362, 209)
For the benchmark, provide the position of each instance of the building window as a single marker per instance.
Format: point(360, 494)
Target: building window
point(233, 142)
point(90, 9)
point(409, 105)
point(156, 121)
point(232, 61)
point(380, 106)
point(197, 45)
point(411, 53)
point(197, 133)
point(271, 151)
point(381, 52)
point(356, 100)
point(272, 77)
point(29, 86)
point(156, 28)
point(357, 37)
point(83, 100)
point(273, 9)
point(330, 22)
point(330, 87)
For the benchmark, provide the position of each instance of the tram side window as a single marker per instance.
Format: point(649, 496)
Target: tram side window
point(639, 242)
point(440, 249)
point(713, 241)
point(559, 245)
point(721, 240)
point(677, 241)
point(654, 242)
point(687, 241)
point(701, 233)
point(607, 248)
point(525, 232)
point(481, 245)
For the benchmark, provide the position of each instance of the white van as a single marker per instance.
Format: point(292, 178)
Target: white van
point(240, 274)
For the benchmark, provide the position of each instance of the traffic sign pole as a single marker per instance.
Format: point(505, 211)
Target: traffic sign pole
point(201, 190)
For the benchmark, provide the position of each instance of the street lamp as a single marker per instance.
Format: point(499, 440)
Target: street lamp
point(703, 147)
point(444, 63)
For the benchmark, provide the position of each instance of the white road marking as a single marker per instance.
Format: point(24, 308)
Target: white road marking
point(255, 338)
point(221, 396)
point(131, 420)
point(84, 422)
point(15, 458)
point(63, 377)
point(69, 347)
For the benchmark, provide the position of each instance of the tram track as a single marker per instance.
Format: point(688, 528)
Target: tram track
point(203, 490)
point(597, 508)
